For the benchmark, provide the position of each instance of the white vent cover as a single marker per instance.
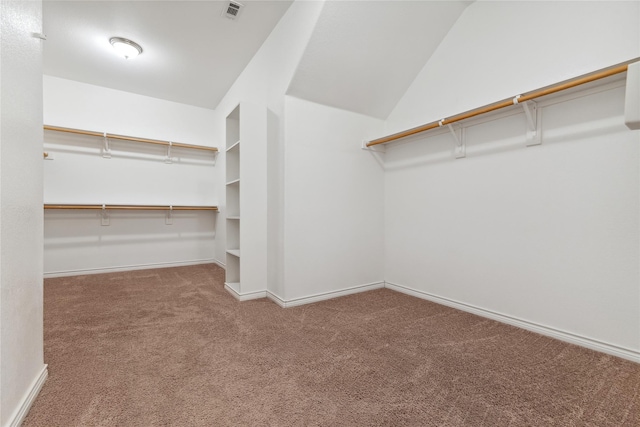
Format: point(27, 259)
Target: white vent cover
point(232, 9)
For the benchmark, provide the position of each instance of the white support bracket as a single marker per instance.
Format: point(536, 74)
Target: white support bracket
point(106, 151)
point(458, 136)
point(534, 122)
point(168, 160)
point(169, 218)
point(381, 149)
point(104, 218)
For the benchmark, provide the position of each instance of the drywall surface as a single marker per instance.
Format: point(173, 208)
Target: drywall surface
point(333, 193)
point(113, 111)
point(547, 234)
point(498, 49)
point(21, 354)
point(75, 241)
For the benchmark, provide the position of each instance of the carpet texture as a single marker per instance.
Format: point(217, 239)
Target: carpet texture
point(170, 347)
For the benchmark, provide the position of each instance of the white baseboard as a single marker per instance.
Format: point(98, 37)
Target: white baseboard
point(303, 300)
point(569, 337)
point(20, 414)
point(117, 269)
point(324, 296)
point(220, 263)
point(583, 341)
point(275, 298)
point(246, 296)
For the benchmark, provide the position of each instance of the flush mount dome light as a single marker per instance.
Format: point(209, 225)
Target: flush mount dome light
point(125, 47)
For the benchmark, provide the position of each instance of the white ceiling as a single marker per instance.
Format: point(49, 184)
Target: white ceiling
point(363, 55)
point(192, 54)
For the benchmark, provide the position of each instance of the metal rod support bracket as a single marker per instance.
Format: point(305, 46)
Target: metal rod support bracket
point(168, 159)
point(169, 218)
point(458, 136)
point(534, 132)
point(106, 151)
point(104, 217)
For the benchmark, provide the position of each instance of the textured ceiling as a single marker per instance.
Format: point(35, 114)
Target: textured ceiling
point(192, 54)
point(363, 55)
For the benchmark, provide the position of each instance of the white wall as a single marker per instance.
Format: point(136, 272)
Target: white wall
point(498, 49)
point(21, 356)
point(550, 234)
point(333, 215)
point(135, 174)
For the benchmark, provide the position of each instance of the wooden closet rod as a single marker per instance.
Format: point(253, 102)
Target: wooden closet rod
point(129, 138)
point(134, 207)
point(587, 78)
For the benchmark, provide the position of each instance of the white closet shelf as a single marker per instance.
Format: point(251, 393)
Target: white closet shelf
point(234, 252)
point(234, 145)
point(236, 217)
point(235, 181)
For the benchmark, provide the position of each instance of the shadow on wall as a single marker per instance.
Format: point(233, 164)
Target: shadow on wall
point(78, 228)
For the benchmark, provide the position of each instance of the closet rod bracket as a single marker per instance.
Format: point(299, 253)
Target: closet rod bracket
point(106, 151)
point(168, 160)
point(458, 136)
point(533, 123)
point(104, 216)
point(169, 218)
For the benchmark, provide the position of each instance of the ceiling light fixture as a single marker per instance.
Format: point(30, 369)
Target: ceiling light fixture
point(125, 47)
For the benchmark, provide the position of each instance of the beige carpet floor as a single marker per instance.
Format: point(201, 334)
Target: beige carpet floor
point(170, 347)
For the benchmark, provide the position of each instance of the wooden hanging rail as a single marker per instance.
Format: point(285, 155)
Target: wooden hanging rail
point(134, 207)
point(129, 138)
point(568, 84)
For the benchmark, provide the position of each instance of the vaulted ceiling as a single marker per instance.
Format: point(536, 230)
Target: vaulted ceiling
point(362, 55)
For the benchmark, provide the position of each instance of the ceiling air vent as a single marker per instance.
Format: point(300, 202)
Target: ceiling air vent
point(233, 9)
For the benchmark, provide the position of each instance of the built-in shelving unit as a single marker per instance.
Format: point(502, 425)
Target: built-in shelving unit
point(246, 201)
point(232, 167)
point(234, 252)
